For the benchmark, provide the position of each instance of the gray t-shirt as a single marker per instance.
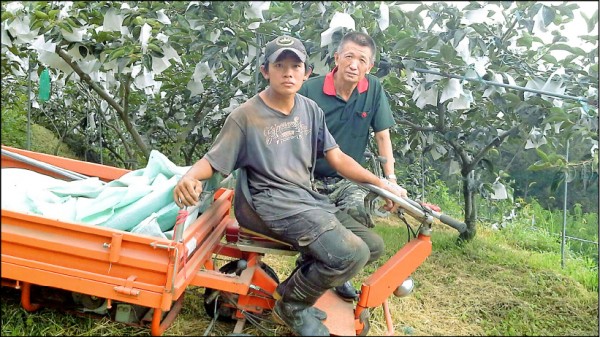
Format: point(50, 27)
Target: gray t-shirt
point(278, 152)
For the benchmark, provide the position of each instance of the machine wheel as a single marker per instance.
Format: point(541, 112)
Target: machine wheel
point(226, 312)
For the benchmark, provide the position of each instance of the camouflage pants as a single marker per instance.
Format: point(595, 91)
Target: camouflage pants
point(347, 196)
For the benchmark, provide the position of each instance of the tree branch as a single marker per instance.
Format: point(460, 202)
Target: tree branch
point(120, 110)
point(494, 143)
point(464, 156)
point(416, 127)
point(441, 107)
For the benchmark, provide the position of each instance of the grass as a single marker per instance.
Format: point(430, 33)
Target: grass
point(489, 286)
point(42, 140)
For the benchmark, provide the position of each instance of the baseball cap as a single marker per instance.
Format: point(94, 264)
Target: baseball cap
point(277, 46)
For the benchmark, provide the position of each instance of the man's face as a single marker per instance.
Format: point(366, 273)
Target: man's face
point(353, 62)
point(286, 74)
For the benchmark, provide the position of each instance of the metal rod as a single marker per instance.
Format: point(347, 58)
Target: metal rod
point(582, 240)
point(422, 177)
point(499, 84)
point(29, 105)
point(46, 166)
point(564, 226)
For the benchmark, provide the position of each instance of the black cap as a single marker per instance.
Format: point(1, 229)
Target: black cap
point(282, 43)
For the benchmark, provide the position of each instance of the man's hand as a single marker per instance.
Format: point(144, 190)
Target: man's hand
point(187, 191)
point(397, 190)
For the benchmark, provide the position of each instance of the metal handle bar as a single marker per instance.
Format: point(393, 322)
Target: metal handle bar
point(370, 155)
point(416, 210)
point(55, 169)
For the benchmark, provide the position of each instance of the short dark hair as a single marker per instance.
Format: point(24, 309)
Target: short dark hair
point(361, 39)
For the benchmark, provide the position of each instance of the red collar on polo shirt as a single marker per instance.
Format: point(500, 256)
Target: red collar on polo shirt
point(329, 87)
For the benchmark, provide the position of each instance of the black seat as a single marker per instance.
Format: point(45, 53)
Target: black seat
point(253, 230)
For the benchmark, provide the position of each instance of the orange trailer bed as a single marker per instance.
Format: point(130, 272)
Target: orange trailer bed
point(103, 262)
point(122, 267)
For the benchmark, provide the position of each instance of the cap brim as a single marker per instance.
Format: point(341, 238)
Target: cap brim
point(278, 52)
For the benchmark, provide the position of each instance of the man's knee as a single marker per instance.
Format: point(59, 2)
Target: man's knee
point(341, 250)
point(376, 247)
point(360, 214)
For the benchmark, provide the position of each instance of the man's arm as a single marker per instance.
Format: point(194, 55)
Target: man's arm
point(188, 188)
point(384, 146)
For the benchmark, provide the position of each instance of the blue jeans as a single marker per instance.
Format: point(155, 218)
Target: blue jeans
point(338, 246)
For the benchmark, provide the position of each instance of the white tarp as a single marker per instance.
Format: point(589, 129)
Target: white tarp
point(140, 201)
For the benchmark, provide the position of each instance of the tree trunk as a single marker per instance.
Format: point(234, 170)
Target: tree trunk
point(470, 207)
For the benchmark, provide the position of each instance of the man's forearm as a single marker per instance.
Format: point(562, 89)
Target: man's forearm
point(384, 146)
point(347, 167)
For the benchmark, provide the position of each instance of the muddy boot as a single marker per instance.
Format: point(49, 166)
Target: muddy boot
point(347, 291)
point(292, 309)
point(318, 313)
point(277, 294)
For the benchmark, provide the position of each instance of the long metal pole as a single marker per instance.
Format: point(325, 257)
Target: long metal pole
point(29, 105)
point(564, 226)
point(422, 177)
point(427, 71)
point(37, 163)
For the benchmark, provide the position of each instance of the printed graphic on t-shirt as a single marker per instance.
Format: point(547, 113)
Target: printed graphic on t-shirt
point(285, 131)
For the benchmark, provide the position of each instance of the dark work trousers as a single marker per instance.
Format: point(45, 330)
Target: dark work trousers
point(338, 245)
point(347, 196)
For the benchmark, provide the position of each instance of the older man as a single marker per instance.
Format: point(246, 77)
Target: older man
point(353, 102)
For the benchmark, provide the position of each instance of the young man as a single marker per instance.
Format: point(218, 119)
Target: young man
point(275, 137)
point(353, 102)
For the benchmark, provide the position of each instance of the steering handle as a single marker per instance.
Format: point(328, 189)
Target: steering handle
point(416, 210)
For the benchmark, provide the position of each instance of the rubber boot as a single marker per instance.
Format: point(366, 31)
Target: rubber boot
point(318, 313)
point(277, 294)
point(347, 291)
point(299, 295)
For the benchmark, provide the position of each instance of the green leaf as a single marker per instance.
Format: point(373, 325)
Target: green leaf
point(65, 26)
point(537, 166)
point(558, 179)
point(557, 115)
point(524, 41)
point(512, 99)
point(549, 58)
point(406, 44)
point(40, 15)
point(6, 15)
point(548, 15)
point(566, 47)
point(542, 154)
point(591, 21)
point(459, 34)
point(432, 41)
point(448, 52)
